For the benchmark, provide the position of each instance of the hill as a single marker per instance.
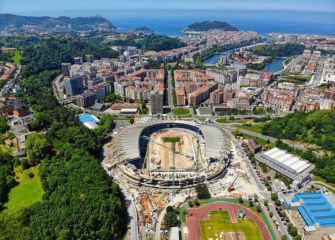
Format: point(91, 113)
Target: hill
point(151, 43)
point(316, 128)
point(144, 30)
point(10, 22)
point(210, 25)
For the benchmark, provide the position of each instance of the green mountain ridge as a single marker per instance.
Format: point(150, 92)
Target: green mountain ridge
point(16, 22)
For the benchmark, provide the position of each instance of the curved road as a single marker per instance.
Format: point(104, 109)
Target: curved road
point(231, 127)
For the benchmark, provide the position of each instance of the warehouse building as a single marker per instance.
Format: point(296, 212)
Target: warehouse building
point(291, 166)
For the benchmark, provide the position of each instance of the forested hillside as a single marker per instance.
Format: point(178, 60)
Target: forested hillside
point(81, 201)
point(317, 128)
point(50, 53)
point(280, 50)
point(209, 25)
point(48, 23)
point(151, 43)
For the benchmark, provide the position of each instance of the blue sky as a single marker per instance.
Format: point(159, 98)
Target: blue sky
point(26, 6)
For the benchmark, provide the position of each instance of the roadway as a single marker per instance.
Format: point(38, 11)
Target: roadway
point(265, 195)
point(318, 184)
point(57, 88)
point(263, 191)
point(133, 218)
point(170, 90)
point(231, 127)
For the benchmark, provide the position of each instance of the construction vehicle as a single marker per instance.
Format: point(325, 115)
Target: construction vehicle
point(231, 186)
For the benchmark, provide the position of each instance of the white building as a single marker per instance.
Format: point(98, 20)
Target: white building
point(287, 164)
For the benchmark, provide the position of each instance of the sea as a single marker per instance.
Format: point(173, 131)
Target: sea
point(171, 22)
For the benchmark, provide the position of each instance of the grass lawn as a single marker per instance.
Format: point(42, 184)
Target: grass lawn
point(171, 139)
point(27, 192)
point(320, 179)
point(255, 128)
point(181, 111)
point(220, 222)
point(17, 57)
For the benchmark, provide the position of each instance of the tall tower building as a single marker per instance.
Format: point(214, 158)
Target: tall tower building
point(66, 69)
point(156, 102)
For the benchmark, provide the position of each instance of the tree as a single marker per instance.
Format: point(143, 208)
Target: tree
point(202, 191)
point(3, 124)
point(298, 237)
point(37, 147)
point(284, 237)
point(266, 203)
point(259, 209)
point(170, 219)
point(274, 196)
point(196, 202)
point(169, 209)
point(132, 121)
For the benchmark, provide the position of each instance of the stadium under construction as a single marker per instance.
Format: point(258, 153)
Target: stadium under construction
point(170, 154)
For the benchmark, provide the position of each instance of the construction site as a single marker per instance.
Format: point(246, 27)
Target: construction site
point(173, 149)
point(169, 155)
point(160, 163)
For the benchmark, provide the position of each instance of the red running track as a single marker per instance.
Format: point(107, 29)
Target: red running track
point(194, 215)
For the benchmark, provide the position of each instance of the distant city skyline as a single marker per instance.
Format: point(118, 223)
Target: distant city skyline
point(24, 6)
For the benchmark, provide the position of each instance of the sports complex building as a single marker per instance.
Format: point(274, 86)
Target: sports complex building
point(316, 209)
point(170, 154)
point(293, 167)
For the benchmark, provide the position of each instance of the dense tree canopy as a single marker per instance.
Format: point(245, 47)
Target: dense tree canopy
point(48, 54)
point(202, 191)
point(280, 50)
point(85, 203)
point(170, 219)
point(151, 43)
point(37, 147)
point(317, 128)
point(81, 201)
point(6, 176)
point(3, 124)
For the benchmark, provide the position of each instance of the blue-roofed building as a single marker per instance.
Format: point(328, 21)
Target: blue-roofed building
point(88, 120)
point(316, 209)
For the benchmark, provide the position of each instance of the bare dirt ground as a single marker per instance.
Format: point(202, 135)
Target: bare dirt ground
point(162, 154)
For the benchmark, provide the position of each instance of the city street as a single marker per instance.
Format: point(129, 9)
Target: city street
point(170, 90)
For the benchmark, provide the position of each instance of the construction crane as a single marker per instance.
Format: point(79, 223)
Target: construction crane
point(231, 186)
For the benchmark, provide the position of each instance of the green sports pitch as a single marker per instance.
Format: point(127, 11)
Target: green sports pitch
point(219, 222)
point(171, 139)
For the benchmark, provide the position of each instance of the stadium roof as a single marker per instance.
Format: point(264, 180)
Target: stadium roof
point(286, 160)
point(129, 143)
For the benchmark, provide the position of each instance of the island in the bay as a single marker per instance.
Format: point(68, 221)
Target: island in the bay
point(209, 25)
point(144, 29)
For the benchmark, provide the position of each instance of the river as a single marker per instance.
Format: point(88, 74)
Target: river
point(276, 65)
point(215, 57)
